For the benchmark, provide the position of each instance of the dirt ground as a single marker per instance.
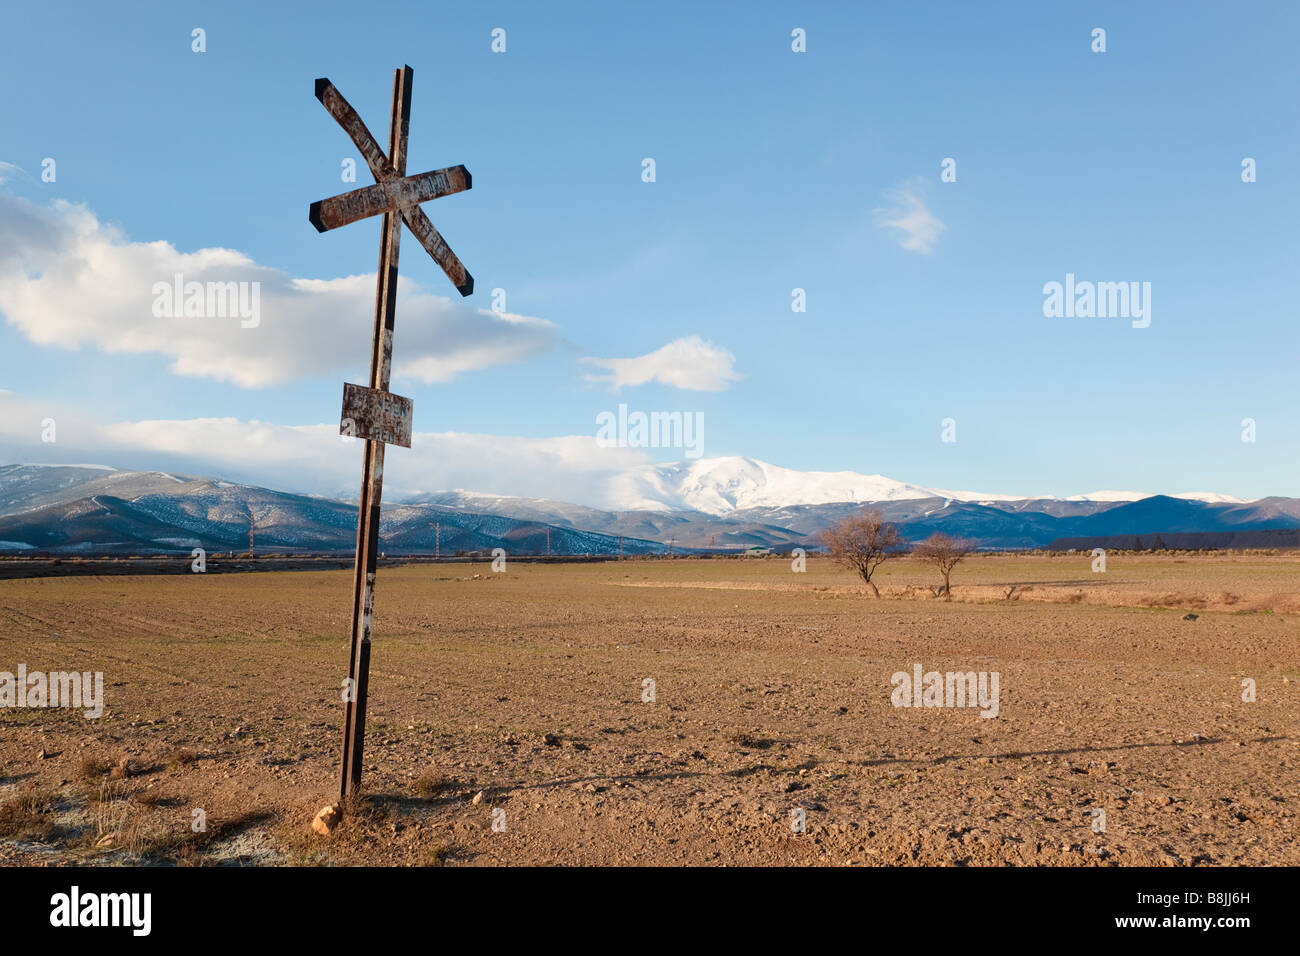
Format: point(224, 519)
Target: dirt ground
point(1121, 736)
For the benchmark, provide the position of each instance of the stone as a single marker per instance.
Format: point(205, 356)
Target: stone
point(327, 819)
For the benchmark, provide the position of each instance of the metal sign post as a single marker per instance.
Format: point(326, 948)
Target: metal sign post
point(374, 413)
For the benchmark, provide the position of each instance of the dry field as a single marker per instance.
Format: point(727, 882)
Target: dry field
point(772, 700)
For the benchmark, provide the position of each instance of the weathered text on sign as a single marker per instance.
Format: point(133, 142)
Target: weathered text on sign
point(395, 194)
point(376, 415)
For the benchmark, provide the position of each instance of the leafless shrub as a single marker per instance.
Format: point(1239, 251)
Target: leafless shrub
point(944, 552)
point(863, 542)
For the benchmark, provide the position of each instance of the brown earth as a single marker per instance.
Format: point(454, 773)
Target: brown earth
point(772, 696)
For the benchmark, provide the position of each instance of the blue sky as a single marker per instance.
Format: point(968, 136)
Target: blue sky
point(774, 170)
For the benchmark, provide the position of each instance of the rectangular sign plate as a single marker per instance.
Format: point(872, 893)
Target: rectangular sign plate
point(375, 415)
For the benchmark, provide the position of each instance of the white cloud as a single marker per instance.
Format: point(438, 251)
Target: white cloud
point(68, 280)
point(10, 171)
point(908, 216)
point(314, 459)
point(690, 363)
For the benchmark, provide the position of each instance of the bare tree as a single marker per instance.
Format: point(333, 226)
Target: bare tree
point(862, 542)
point(944, 552)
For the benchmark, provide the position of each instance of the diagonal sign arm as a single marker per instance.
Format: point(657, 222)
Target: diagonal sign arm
point(437, 247)
point(353, 125)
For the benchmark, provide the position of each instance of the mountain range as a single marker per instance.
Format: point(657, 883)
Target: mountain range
point(706, 504)
point(720, 486)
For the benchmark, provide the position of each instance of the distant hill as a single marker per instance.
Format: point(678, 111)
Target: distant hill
point(90, 509)
point(1185, 541)
point(178, 513)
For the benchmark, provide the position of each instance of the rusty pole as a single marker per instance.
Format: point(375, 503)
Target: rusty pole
point(374, 413)
point(372, 477)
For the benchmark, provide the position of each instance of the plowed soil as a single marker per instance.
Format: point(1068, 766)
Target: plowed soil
point(1122, 736)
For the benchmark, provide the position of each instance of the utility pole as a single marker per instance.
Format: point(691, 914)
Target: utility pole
point(437, 541)
point(548, 542)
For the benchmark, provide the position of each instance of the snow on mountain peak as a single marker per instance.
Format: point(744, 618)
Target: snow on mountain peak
point(1210, 497)
point(720, 485)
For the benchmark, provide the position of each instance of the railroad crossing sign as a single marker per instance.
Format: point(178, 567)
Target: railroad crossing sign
point(393, 191)
point(374, 413)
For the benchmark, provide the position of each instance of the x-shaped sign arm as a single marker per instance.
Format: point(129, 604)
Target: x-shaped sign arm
point(392, 191)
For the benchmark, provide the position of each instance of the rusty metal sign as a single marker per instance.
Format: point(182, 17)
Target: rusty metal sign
point(336, 211)
point(393, 192)
point(377, 416)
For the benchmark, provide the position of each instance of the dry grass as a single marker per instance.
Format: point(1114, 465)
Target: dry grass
point(429, 784)
point(108, 791)
point(94, 767)
point(28, 815)
point(387, 827)
point(145, 837)
point(436, 854)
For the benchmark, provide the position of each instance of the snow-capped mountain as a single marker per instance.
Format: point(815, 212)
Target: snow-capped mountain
point(718, 486)
point(1212, 497)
